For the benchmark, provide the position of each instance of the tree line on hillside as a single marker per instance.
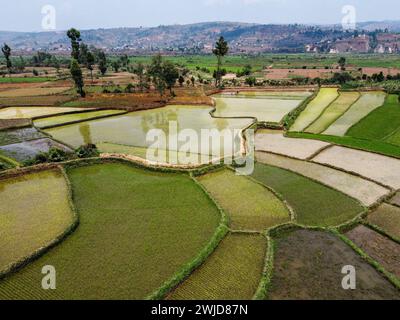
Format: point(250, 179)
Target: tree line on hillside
point(161, 74)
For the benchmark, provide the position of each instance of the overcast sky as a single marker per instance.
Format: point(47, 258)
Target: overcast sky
point(26, 15)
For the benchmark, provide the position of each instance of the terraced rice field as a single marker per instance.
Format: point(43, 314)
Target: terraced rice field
point(41, 214)
point(368, 102)
point(333, 112)
point(387, 218)
point(137, 228)
point(249, 205)
point(313, 203)
point(383, 250)
point(31, 92)
point(324, 98)
point(263, 108)
point(75, 117)
point(308, 265)
point(274, 141)
point(232, 272)
point(34, 112)
point(29, 149)
point(381, 123)
point(19, 135)
point(131, 129)
point(363, 190)
point(379, 168)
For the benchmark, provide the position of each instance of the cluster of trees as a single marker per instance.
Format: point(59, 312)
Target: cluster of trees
point(82, 55)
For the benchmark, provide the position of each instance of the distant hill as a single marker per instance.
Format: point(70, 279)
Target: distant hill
point(196, 38)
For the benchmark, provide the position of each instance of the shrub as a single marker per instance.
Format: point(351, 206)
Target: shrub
point(57, 155)
point(54, 155)
point(87, 151)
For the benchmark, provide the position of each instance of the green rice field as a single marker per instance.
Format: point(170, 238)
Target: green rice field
point(232, 272)
point(41, 214)
point(368, 102)
point(333, 112)
point(313, 203)
point(249, 205)
point(137, 229)
point(381, 124)
point(324, 98)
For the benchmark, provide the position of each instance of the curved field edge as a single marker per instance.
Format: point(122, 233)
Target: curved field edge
point(259, 209)
point(220, 233)
point(217, 237)
point(15, 267)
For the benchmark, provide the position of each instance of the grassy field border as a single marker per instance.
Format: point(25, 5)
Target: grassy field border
point(56, 241)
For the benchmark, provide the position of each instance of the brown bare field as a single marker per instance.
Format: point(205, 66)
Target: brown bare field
point(50, 100)
point(308, 266)
point(387, 217)
point(378, 247)
point(131, 101)
point(191, 96)
point(386, 71)
point(120, 78)
point(274, 141)
point(7, 86)
point(143, 101)
point(32, 92)
point(283, 74)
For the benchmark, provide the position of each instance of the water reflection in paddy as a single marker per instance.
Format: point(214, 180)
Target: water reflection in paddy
point(131, 129)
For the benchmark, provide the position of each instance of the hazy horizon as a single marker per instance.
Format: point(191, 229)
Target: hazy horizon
point(26, 16)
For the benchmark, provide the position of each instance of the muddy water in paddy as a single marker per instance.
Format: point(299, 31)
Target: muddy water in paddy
point(131, 129)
